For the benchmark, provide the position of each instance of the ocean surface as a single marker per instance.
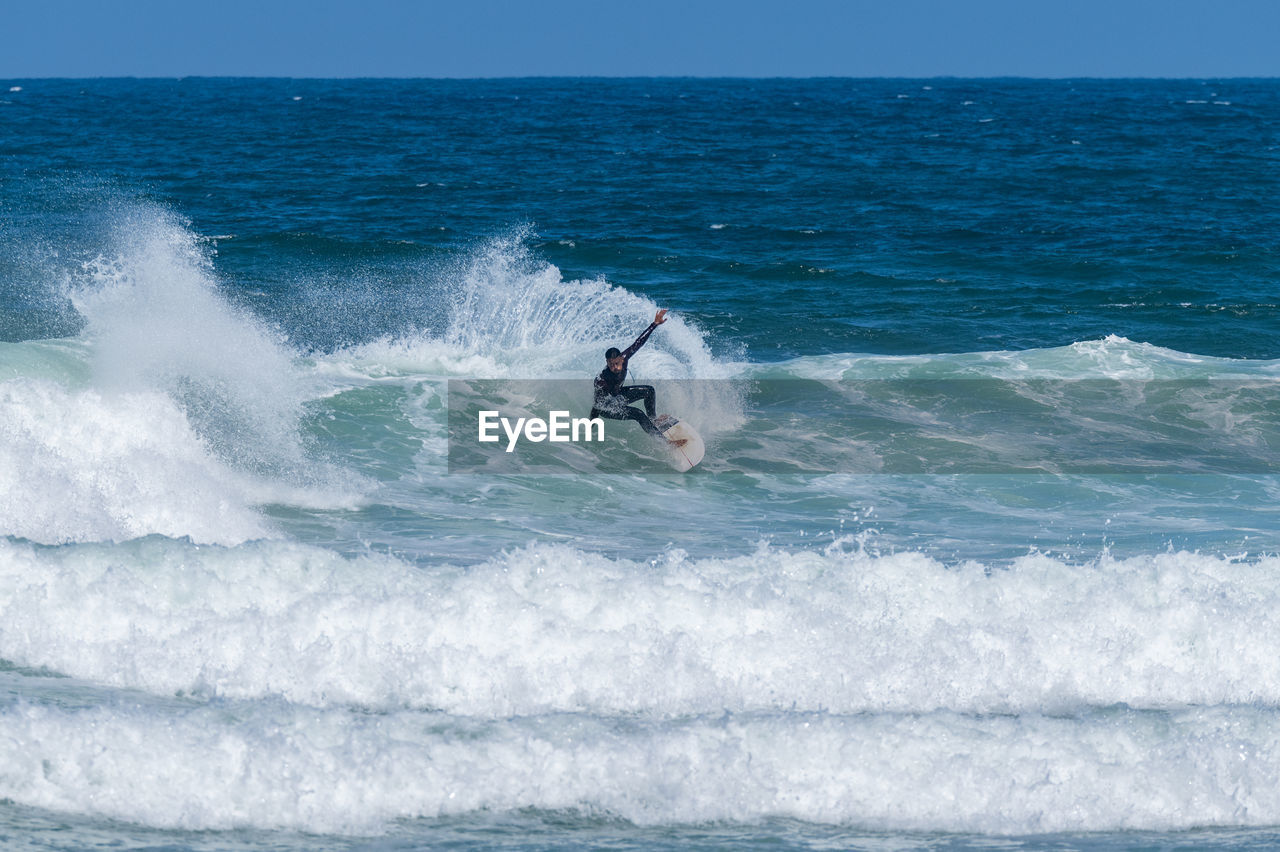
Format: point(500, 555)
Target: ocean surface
point(985, 550)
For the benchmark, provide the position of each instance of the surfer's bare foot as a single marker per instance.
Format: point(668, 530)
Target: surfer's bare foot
point(677, 442)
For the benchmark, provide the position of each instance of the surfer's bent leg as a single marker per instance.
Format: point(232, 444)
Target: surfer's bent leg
point(645, 423)
point(622, 411)
point(645, 392)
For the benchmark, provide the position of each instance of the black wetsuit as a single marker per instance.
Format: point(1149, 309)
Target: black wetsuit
point(613, 401)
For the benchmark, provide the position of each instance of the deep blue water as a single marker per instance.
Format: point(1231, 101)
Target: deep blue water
point(244, 603)
point(887, 216)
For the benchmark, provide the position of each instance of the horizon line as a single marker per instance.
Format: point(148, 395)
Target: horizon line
point(709, 77)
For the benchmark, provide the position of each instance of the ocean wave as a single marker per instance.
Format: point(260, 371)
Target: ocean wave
point(1112, 357)
point(173, 413)
point(551, 628)
point(78, 465)
point(512, 315)
point(155, 320)
point(231, 765)
point(234, 418)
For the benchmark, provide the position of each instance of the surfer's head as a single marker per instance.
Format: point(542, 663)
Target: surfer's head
point(613, 357)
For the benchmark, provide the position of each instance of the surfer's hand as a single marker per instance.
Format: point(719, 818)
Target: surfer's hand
point(661, 317)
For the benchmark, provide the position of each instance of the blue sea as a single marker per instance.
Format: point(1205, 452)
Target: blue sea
point(984, 552)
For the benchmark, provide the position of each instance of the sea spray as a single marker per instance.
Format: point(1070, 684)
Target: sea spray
point(175, 413)
point(156, 321)
point(513, 315)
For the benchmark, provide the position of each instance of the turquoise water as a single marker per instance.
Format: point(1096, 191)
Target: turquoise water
point(983, 550)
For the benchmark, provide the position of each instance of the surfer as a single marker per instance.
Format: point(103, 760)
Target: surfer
point(613, 400)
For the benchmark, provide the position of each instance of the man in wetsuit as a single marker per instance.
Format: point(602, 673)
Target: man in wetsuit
point(613, 400)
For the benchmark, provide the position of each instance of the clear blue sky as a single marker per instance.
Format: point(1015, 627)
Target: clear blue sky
point(739, 38)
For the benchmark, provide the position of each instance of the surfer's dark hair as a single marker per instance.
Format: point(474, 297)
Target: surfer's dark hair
point(612, 352)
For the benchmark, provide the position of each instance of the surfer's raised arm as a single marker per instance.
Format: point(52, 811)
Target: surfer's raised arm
point(658, 320)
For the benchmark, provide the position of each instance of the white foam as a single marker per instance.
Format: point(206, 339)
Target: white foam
point(77, 465)
point(156, 321)
point(412, 358)
point(553, 629)
point(225, 766)
point(174, 413)
point(1111, 357)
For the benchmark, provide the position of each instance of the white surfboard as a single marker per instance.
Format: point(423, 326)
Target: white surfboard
point(688, 454)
